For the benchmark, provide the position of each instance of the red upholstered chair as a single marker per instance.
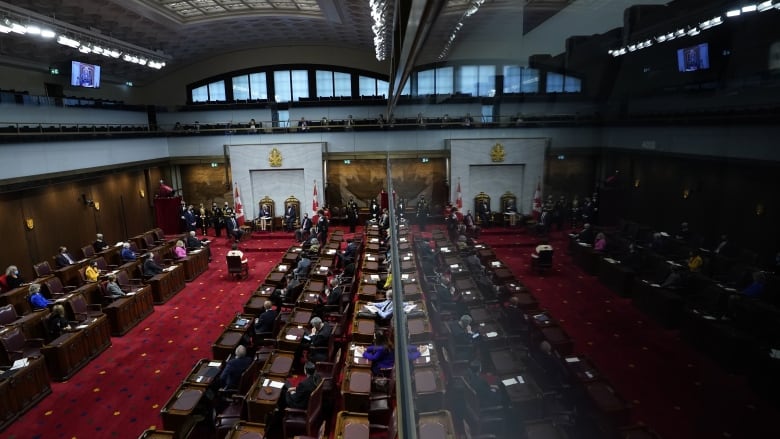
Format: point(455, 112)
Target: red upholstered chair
point(55, 288)
point(237, 268)
point(42, 269)
point(81, 309)
point(230, 406)
point(7, 315)
point(88, 251)
point(304, 422)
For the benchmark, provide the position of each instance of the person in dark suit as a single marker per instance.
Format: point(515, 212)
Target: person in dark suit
point(289, 218)
point(232, 227)
point(151, 267)
point(352, 214)
point(422, 212)
point(300, 233)
point(318, 338)
point(322, 226)
point(462, 337)
point(487, 394)
point(231, 374)
point(56, 324)
point(334, 292)
point(64, 258)
point(189, 219)
point(217, 219)
point(265, 322)
point(384, 220)
point(374, 210)
point(298, 397)
point(483, 211)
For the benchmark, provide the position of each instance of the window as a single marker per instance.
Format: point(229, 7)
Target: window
point(477, 80)
point(282, 86)
point(241, 88)
point(512, 79)
point(554, 82)
point(425, 83)
point(342, 84)
point(382, 87)
point(324, 84)
point(529, 81)
point(257, 86)
point(444, 80)
point(372, 87)
point(300, 84)
point(217, 91)
point(200, 94)
point(572, 84)
point(487, 113)
point(407, 90)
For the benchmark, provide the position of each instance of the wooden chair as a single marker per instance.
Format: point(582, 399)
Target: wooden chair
point(15, 346)
point(236, 267)
point(88, 252)
point(291, 200)
point(509, 209)
point(542, 263)
point(478, 202)
point(304, 422)
point(42, 269)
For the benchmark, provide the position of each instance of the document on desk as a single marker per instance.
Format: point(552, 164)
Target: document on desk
point(409, 306)
point(509, 381)
point(374, 277)
point(291, 337)
point(359, 351)
point(331, 251)
point(82, 326)
point(572, 360)
point(370, 258)
point(774, 353)
point(276, 384)
point(371, 308)
point(491, 334)
point(20, 363)
point(404, 276)
point(215, 363)
point(283, 268)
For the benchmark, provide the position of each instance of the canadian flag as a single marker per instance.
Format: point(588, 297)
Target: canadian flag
point(238, 207)
point(458, 197)
point(537, 211)
point(315, 204)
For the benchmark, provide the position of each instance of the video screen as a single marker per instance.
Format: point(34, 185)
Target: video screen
point(84, 75)
point(691, 59)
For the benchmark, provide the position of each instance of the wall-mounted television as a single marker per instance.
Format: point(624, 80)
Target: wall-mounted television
point(84, 75)
point(691, 59)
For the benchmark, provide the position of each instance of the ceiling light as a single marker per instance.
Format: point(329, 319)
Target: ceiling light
point(33, 30)
point(85, 49)
point(765, 6)
point(749, 8)
point(70, 42)
point(48, 33)
point(733, 13)
point(4, 28)
point(18, 28)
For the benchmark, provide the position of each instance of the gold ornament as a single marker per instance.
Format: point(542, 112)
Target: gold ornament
point(275, 158)
point(497, 153)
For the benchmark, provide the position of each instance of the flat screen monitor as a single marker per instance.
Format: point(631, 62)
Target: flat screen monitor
point(691, 59)
point(84, 75)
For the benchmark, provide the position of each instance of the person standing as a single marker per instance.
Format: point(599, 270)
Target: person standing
point(322, 226)
point(352, 214)
point(422, 213)
point(217, 219)
point(190, 221)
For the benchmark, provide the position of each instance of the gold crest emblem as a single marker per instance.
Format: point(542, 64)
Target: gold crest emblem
point(497, 153)
point(97, 205)
point(29, 223)
point(275, 158)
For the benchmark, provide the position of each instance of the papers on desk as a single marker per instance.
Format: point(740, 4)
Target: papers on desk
point(491, 334)
point(373, 240)
point(405, 276)
point(291, 337)
point(774, 353)
point(611, 261)
point(402, 239)
point(20, 363)
point(331, 251)
point(171, 268)
point(445, 249)
point(584, 244)
point(425, 350)
point(195, 252)
point(572, 360)
point(283, 267)
point(241, 322)
point(82, 326)
point(706, 317)
point(664, 234)
point(370, 258)
point(455, 266)
point(359, 351)
point(514, 380)
point(215, 363)
point(495, 264)
point(407, 258)
point(409, 306)
point(468, 293)
point(374, 277)
point(323, 269)
point(543, 318)
point(131, 293)
point(371, 308)
point(655, 285)
point(276, 384)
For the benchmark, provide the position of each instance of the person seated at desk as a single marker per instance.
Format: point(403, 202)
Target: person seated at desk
point(462, 335)
point(56, 324)
point(113, 290)
point(333, 294)
point(586, 235)
point(11, 279)
point(381, 354)
point(694, 261)
point(305, 230)
point(487, 394)
point(193, 242)
point(265, 321)
point(312, 246)
point(303, 267)
point(99, 245)
point(348, 255)
point(675, 280)
point(151, 268)
point(234, 251)
point(232, 227)
point(298, 397)
point(179, 251)
point(36, 299)
point(384, 309)
point(127, 254)
point(64, 258)
point(318, 337)
point(752, 291)
point(235, 367)
point(600, 243)
point(92, 272)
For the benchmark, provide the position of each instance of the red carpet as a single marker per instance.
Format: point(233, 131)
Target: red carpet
point(673, 389)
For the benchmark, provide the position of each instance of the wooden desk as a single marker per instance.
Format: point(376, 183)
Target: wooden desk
point(586, 258)
point(21, 389)
point(427, 356)
point(241, 322)
point(355, 389)
point(412, 291)
point(369, 279)
point(32, 324)
point(435, 425)
point(277, 278)
point(226, 343)
point(278, 365)
point(363, 330)
point(367, 292)
point(177, 412)
point(524, 396)
point(204, 373)
point(544, 429)
point(291, 336)
point(97, 332)
point(18, 298)
point(617, 277)
point(300, 317)
point(263, 397)
point(352, 426)
point(308, 300)
point(503, 276)
point(157, 434)
point(354, 356)
point(291, 257)
point(166, 285)
point(581, 369)
point(69, 275)
point(419, 329)
point(492, 335)
point(370, 267)
point(66, 355)
point(247, 430)
point(319, 272)
point(255, 305)
point(428, 388)
point(608, 403)
point(196, 262)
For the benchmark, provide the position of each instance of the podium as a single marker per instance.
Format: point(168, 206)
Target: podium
point(166, 213)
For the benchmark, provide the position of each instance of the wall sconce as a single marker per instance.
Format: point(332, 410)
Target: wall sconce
point(686, 193)
point(96, 205)
point(29, 223)
point(759, 209)
point(636, 183)
point(89, 203)
point(142, 193)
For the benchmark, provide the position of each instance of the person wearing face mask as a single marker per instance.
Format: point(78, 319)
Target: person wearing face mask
point(11, 279)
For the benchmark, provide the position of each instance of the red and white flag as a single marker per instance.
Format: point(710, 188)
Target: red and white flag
point(537, 212)
point(458, 197)
point(238, 207)
point(315, 204)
